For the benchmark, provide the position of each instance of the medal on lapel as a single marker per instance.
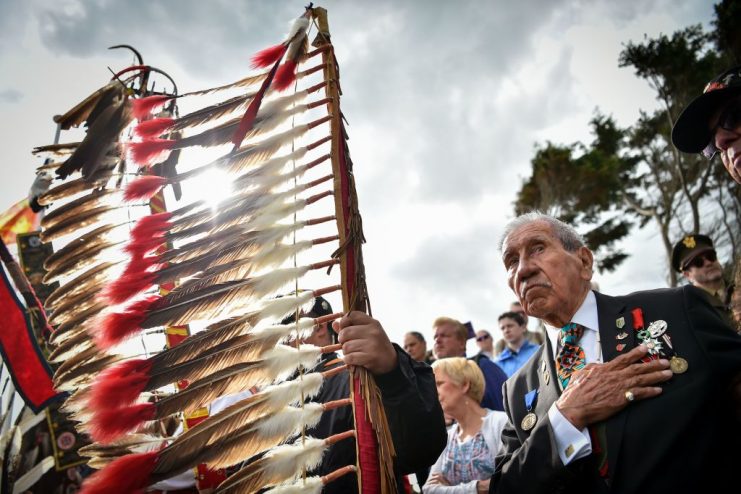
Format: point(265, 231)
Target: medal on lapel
point(677, 364)
point(644, 336)
point(529, 420)
point(659, 344)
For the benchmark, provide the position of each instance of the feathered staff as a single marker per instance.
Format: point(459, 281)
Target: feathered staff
point(225, 260)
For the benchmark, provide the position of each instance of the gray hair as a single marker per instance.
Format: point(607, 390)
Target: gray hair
point(565, 233)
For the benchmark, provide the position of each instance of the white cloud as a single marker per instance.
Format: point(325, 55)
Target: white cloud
point(445, 102)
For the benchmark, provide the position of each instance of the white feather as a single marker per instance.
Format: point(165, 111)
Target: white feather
point(290, 459)
point(299, 26)
point(268, 168)
point(290, 392)
point(290, 421)
point(310, 485)
point(283, 360)
point(301, 329)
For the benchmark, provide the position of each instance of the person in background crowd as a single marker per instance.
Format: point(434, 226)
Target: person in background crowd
point(474, 440)
point(407, 389)
point(535, 337)
point(416, 346)
point(450, 341)
point(630, 394)
point(518, 349)
point(711, 123)
point(485, 343)
point(694, 256)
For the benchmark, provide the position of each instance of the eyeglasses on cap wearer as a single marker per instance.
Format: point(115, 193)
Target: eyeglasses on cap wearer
point(699, 260)
point(483, 337)
point(730, 119)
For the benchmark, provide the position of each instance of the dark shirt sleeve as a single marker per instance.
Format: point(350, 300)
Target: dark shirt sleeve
point(494, 378)
point(413, 412)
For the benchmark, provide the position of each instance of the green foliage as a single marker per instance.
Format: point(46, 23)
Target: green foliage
point(634, 176)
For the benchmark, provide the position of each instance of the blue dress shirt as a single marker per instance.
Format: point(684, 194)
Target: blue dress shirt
point(510, 361)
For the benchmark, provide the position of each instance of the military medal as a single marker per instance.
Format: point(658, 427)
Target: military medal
point(678, 365)
point(529, 420)
point(657, 328)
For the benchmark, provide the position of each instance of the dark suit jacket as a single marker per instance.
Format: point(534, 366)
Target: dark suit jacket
point(684, 440)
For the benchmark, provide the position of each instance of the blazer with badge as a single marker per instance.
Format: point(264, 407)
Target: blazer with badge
point(676, 442)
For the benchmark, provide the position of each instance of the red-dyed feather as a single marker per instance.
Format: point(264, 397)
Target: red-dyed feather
point(139, 264)
point(140, 247)
point(117, 326)
point(109, 424)
point(285, 76)
point(268, 56)
point(153, 128)
point(142, 107)
point(119, 385)
point(126, 475)
point(144, 188)
point(128, 285)
point(151, 225)
point(248, 120)
point(149, 152)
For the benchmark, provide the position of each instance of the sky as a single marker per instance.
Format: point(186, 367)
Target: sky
point(446, 102)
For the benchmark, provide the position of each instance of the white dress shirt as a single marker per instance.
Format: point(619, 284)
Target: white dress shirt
point(574, 443)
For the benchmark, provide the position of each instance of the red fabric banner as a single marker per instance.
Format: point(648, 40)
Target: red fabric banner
point(21, 354)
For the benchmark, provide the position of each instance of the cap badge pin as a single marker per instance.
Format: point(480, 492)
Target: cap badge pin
point(620, 322)
point(689, 242)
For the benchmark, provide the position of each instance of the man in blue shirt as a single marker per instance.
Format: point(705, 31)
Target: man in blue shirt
point(518, 349)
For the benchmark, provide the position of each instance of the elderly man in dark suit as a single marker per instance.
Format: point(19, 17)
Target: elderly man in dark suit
point(629, 394)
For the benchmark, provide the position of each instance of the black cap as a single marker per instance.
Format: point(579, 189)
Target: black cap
point(688, 248)
point(320, 308)
point(691, 132)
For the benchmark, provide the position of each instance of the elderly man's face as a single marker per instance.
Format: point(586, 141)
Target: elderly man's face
point(549, 281)
point(727, 140)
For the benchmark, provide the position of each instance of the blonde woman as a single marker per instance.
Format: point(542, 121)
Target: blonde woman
point(467, 462)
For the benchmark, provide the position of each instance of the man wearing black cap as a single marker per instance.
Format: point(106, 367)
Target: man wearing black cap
point(407, 389)
point(711, 123)
point(694, 256)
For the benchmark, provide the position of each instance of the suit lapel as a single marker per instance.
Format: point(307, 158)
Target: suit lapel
point(615, 327)
point(550, 391)
point(612, 315)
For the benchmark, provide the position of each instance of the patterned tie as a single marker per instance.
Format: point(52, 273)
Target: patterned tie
point(570, 356)
point(569, 359)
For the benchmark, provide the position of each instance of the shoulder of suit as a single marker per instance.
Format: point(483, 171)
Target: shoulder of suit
point(656, 293)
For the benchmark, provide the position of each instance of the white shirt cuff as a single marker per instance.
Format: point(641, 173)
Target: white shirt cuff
point(572, 443)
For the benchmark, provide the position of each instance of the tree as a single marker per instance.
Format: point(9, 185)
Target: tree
point(578, 184)
point(643, 178)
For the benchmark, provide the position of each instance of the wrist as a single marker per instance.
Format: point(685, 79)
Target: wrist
point(572, 415)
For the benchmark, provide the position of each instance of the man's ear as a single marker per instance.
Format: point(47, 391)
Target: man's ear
point(587, 263)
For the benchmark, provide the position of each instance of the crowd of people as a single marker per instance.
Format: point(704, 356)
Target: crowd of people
point(627, 394)
point(583, 392)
